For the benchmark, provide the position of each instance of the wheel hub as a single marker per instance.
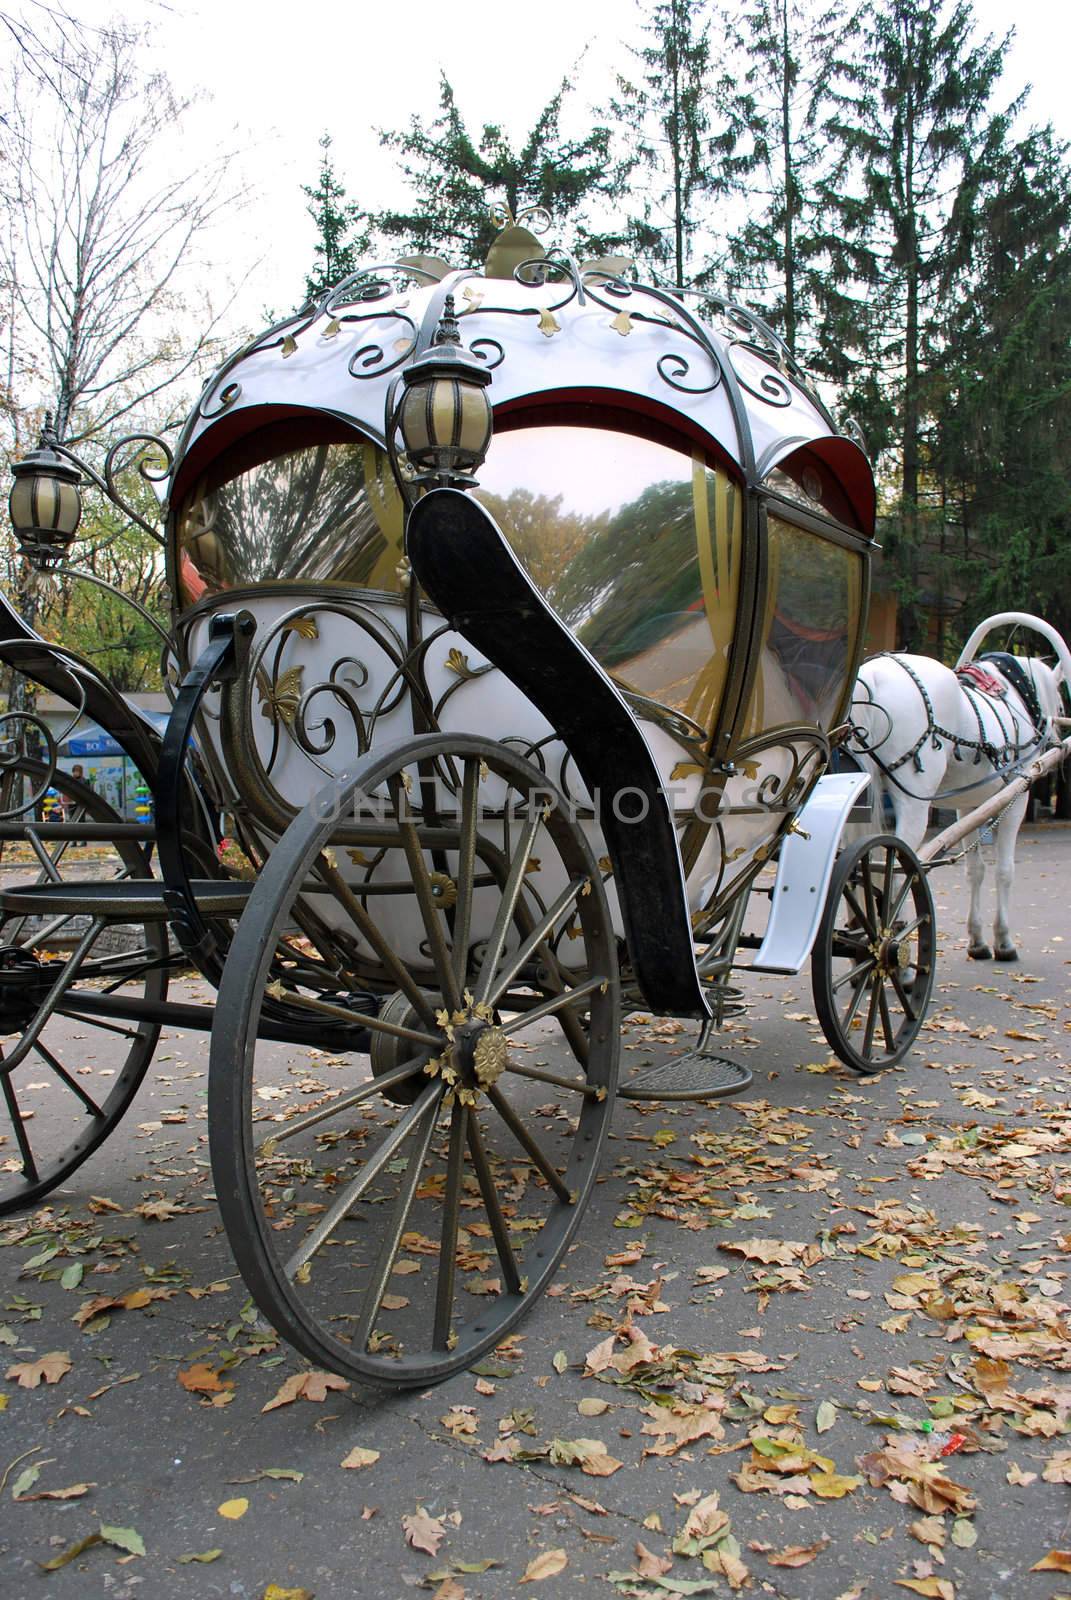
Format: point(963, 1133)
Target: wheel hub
point(25, 980)
point(475, 1053)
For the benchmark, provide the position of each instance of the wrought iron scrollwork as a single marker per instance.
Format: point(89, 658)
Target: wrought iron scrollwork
point(24, 737)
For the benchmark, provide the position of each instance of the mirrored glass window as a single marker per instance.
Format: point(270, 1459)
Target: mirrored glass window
point(636, 544)
point(327, 513)
point(813, 605)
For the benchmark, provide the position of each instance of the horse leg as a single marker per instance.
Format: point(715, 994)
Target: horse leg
point(977, 949)
point(912, 817)
point(1007, 832)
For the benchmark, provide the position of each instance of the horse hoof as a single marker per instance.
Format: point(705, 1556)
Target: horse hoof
point(979, 952)
point(1010, 954)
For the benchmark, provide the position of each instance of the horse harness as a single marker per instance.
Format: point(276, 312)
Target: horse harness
point(1004, 758)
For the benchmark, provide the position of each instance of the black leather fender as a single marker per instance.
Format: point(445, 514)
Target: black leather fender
point(465, 565)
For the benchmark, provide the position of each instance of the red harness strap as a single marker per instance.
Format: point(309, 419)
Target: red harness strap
point(979, 678)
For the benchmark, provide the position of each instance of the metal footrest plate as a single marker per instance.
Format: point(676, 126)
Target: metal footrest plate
point(698, 1075)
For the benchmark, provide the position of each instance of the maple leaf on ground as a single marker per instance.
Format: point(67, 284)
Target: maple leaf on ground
point(680, 1425)
point(424, 1532)
point(782, 1252)
point(46, 1369)
point(1058, 1468)
point(306, 1386)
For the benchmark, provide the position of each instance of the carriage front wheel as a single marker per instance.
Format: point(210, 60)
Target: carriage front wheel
point(872, 964)
point(395, 1214)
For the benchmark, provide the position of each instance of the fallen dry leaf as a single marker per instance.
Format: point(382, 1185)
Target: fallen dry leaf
point(306, 1386)
point(1055, 1561)
point(424, 1532)
point(648, 1565)
point(203, 1379)
point(233, 1509)
point(46, 1369)
point(797, 1555)
point(361, 1458)
point(548, 1565)
point(934, 1588)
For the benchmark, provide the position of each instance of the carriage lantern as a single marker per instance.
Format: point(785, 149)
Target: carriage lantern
point(45, 505)
point(445, 411)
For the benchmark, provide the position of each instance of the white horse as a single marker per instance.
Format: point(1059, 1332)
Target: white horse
point(933, 736)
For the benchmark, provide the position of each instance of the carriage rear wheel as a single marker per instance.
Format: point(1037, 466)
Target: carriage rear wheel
point(872, 964)
point(60, 1100)
point(394, 1215)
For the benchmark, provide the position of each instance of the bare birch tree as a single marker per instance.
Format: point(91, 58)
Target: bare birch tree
point(98, 228)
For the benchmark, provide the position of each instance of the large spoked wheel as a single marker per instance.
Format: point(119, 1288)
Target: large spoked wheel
point(67, 1075)
point(873, 960)
point(394, 1215)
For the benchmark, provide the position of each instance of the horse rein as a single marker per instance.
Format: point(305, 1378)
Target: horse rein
point(935, 732)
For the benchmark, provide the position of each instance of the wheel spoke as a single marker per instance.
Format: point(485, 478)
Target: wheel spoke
point(355, 1018)
point(499, 1231)
point(873, 919)
point(865, 921)
point(904, 997)
point(590, 1090)
point(392, 1236)
point(371, 1169)
point(886, 889)
point(444, 1283)
point(856, 972)
point(556, 1003)
point(64, 1076)
point(29, 1165)
point(505, 977)
point(510, 894)
point(466, 870)
point(70, 1008)
point(375, 1086)
point(872, 1014)
point(399, 972)
point(886, 1020)
point(430, 914)
point(849, 1016)
point(902, 894)
point(528, 1145)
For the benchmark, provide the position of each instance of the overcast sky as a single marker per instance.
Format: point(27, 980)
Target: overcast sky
point(277, 75)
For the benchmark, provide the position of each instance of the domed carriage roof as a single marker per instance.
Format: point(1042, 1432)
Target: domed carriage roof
point(552, 331)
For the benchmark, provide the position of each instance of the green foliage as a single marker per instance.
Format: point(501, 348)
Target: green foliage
point(664, 111)
point(455, 179)
point(341, 241)
point(918, 147)
point(784, 62)
point(1001, 457)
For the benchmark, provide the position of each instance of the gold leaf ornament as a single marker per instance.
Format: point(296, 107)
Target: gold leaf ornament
point(457, 661)
point(279, 701)
point(622, 324)
point(306, 627)
point(548, 323)
point(289, 345)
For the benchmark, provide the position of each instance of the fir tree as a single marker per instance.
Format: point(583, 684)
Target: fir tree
point(1001, 454)
point(664, 111)
point(919, 147)
point(456, 178)
point(341, 242)
point(783, 63)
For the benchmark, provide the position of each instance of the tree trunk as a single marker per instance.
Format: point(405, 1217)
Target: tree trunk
point(790, 188)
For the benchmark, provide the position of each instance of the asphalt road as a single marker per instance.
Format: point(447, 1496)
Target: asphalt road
point(837, 1305)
